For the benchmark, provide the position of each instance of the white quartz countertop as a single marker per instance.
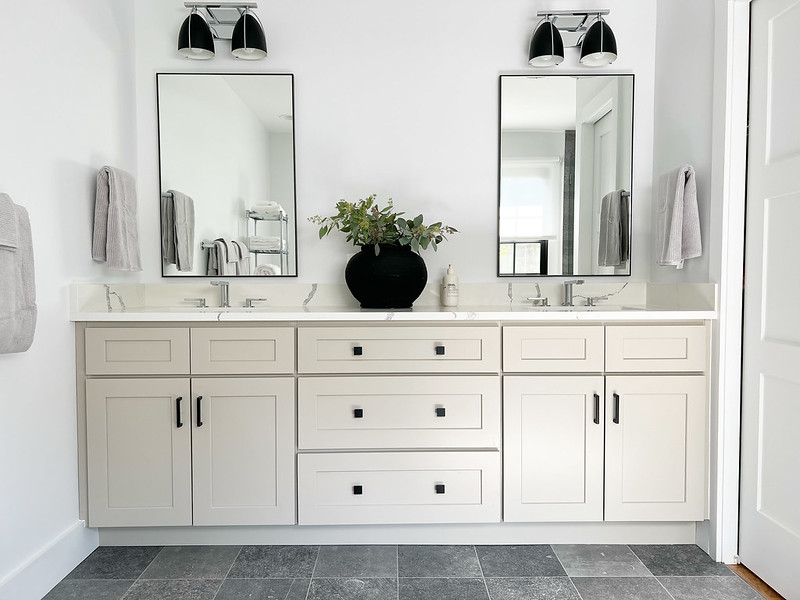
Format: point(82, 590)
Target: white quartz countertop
point(421, 315)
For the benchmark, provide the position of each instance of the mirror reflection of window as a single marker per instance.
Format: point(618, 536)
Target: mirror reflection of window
point(565, 142)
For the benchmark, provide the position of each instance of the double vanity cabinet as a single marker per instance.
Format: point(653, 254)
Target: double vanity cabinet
point(356, 423)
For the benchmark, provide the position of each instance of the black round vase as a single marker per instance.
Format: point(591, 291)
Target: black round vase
point(392, 279)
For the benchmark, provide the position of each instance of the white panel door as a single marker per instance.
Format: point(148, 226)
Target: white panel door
point(553, 448)
point(243, 444)
point(139, 438)
point(769, 542)
point(656, 448)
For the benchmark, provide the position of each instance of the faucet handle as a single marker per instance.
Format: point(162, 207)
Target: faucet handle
point(593, 300)
point(248, 303)
point(540, 301)
point(201, 302)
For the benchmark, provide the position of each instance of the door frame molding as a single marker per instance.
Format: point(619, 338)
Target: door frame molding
point(729, 180)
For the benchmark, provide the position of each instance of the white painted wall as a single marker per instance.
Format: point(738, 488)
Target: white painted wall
point(400, 100)
point(684, 114)
point(66, 110)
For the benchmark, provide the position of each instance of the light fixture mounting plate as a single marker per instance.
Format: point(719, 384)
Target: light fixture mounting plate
point(572, 24)
point(221, 15)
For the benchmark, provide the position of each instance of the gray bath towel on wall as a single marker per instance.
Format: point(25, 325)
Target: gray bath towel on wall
point(614, 238)
point(678, 218)
point(17, 279)
point(115, 239)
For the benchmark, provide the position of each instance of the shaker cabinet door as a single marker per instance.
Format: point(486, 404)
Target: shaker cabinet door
point(553, 448)
point(243, 444)
point(139, 455)
point(656, 448)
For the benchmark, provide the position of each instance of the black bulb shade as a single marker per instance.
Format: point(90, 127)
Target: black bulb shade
point(195, 40)
point(248, 41)
point(547, 47)
point(599, 45)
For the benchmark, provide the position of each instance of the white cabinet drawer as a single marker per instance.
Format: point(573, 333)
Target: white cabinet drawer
point(379, 488)
point(398, 349)
point(656, 348)
point(137, 351)
point(399, 412)
point(240, 350)
point(553, 349)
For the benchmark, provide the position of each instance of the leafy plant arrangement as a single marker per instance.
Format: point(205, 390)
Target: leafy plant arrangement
point(366, 224)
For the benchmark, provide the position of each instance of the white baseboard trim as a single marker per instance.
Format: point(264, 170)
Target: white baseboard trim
point(505, 533)
point(42, 571)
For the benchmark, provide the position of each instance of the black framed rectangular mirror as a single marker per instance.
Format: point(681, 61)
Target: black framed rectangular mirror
point(565, 175)
point(227, 174)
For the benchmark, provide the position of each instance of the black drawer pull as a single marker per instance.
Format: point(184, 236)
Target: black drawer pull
point(441, 412)
point(358, 490)
point(199, 411)
point(440, 488)
point(597, 409)
point(616, 409)
point(178, 421)
point(439, 350)
point(358, 413)
point(358, 350)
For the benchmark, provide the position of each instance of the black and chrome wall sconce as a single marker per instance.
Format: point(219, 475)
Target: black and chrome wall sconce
point(561, 29)
point(222, 20)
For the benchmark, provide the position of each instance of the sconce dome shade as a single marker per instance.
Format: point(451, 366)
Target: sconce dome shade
point(547, 47)
point(195, 39)
point(599, 47)
point(248, 41)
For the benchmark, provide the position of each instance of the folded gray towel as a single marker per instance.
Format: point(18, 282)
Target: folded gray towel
point(183, 230)
point(614, 244)
point(243, 264)
point(678, 218)
point(115, 239)
point(17, 280)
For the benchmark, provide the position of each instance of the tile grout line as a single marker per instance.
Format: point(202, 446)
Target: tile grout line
point(397, 564)
point(313, 570)
point(569, 578)
point(157, 554)
point(222, 582)
point(480, 567)
point(664, 587)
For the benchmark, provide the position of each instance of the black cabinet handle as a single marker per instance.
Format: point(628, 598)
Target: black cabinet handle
point(178, 420)
point(358, 350)
point(441, 412)
point(439, 350)
point(597, 409)
point(440, 488)
point(358, 413)
point(199, 411)
point(357, 490)
point(616, 409)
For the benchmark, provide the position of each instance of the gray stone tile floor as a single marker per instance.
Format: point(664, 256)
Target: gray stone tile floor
point(534, 572)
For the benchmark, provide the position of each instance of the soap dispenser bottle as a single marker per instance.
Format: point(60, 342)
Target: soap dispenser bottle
point(450, 288)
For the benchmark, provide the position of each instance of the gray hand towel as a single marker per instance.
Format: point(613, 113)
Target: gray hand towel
point(678, 218)
point(17, 280)
point(184, 230)
point(243, 265)
point(168, 229)
point(115, 239)
point(9, 229)
point(614, 245)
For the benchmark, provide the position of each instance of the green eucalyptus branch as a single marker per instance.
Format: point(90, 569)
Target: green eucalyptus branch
point(365, 223)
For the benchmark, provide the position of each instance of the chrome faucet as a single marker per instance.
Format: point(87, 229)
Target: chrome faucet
point(568, 291)
point(224, 296)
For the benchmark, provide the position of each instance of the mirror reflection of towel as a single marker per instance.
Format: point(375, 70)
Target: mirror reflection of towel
point(614, 246)
point(177, 230)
